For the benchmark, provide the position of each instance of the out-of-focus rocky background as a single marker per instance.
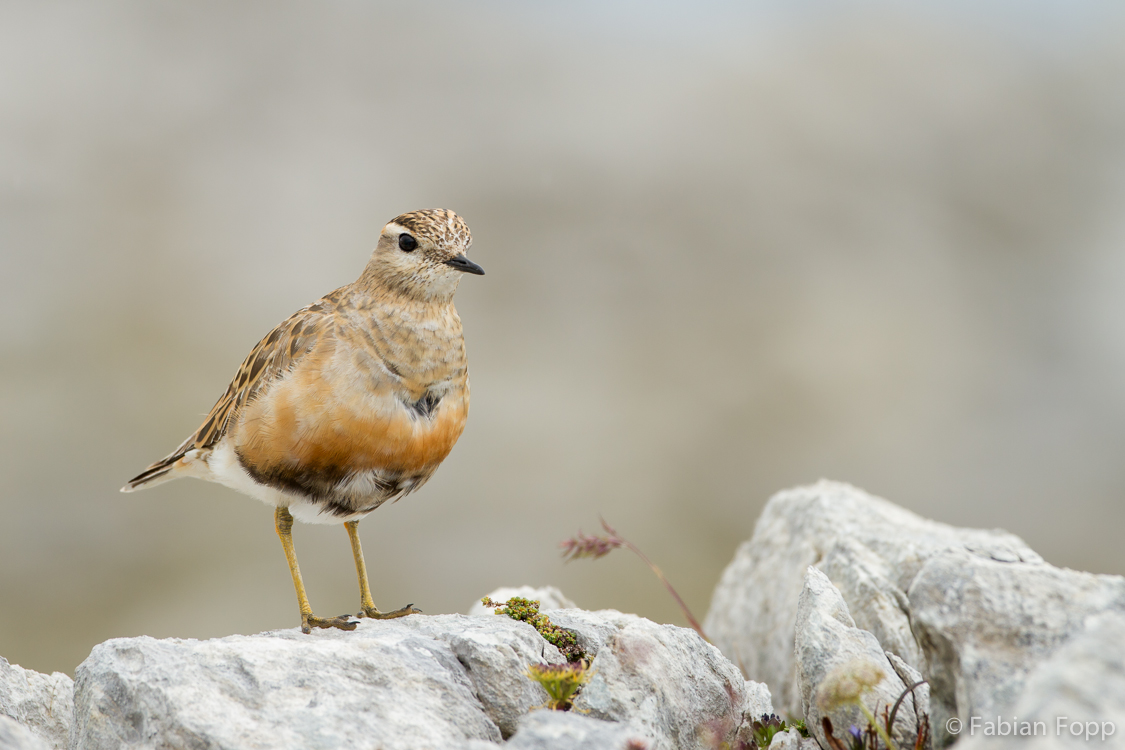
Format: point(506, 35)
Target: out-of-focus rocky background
point(728, 251)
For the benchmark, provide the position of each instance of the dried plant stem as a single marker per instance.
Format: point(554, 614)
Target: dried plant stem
point(659, 574)
point(875, 723)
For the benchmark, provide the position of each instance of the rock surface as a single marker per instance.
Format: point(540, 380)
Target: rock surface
point(977, 613)
point(668, 684)
point(548, 597)
point(870, 549)
point(985, 626)
point(379, 686)
point(496, 655)
point(566, 730)
point(1083, 682)
point(791, 740)
point(15, 736)
point(449, 681)
point(827, 639)
point(43, 704)
point(758, 702)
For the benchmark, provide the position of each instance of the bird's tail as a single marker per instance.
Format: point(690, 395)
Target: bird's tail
point(159, 473)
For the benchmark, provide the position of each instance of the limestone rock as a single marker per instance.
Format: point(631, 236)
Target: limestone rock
point(758, 703)
point(669, 685)
point(920, 695)
point(792, 740)
point(975, 612)
point(495, 655)
point(1082, 686)
point(871, 549)
point(787, 740)
point(986, 625)
point(874, 598)
point(827, 639)
point(567, 730)
point(449, 681)
point(43, 704)
point(15, 736)
point(387, 684)
point(548, 597)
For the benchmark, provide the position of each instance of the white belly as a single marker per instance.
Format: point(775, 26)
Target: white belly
point(221, 466)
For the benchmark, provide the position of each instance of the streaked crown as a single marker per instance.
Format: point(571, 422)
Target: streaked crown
point(442, 227)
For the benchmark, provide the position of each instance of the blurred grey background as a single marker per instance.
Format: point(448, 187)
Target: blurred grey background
point(730, 249)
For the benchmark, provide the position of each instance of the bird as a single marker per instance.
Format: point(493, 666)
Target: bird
point(352, 401)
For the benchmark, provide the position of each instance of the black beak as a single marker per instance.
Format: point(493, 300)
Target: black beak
point(461, 263)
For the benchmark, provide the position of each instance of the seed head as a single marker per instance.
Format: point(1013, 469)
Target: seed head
point(846, 683)
point(588, 545)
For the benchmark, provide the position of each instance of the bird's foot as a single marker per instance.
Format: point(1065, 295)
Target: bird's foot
point(375, 614)
point(343, 622)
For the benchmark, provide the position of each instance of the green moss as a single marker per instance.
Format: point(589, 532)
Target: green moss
point(526, 610)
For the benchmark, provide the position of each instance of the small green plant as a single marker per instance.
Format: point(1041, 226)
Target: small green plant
point(527, 610)
point(765, 728)
point(588, 545)
point(561, 681)
point(769, 725)
point(760, 736)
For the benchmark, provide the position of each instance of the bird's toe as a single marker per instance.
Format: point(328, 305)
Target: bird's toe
point(343, 622)
point(375, 614)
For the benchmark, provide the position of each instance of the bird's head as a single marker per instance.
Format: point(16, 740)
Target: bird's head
point(421, 254)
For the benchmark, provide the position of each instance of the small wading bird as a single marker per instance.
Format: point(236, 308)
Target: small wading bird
point(353, 401)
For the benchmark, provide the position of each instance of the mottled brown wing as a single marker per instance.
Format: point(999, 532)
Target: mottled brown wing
point(272, 357)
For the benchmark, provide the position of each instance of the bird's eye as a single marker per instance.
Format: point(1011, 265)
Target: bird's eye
point(406, 243)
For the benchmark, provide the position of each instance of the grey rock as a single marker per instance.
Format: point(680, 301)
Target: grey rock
point(826, 639)
point(874, 598)
point(496, 654)
point(758, 703)
point(1083, 681)
point(567, 730)
point(43, 704)
point(449, 681)
point(666, 683)
point(15, 736)
point(986, 625)
point(548, 597)
point(593, 629)
point(920, 695)
point(388, 684)
point(975, 612)
point(787, 740)
point(870, 548)
point(792, 740)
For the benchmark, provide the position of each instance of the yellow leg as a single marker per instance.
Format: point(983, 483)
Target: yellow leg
point(365, 601)
point(284, 523)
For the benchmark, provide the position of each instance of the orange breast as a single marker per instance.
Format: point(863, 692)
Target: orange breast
point(320, 420)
